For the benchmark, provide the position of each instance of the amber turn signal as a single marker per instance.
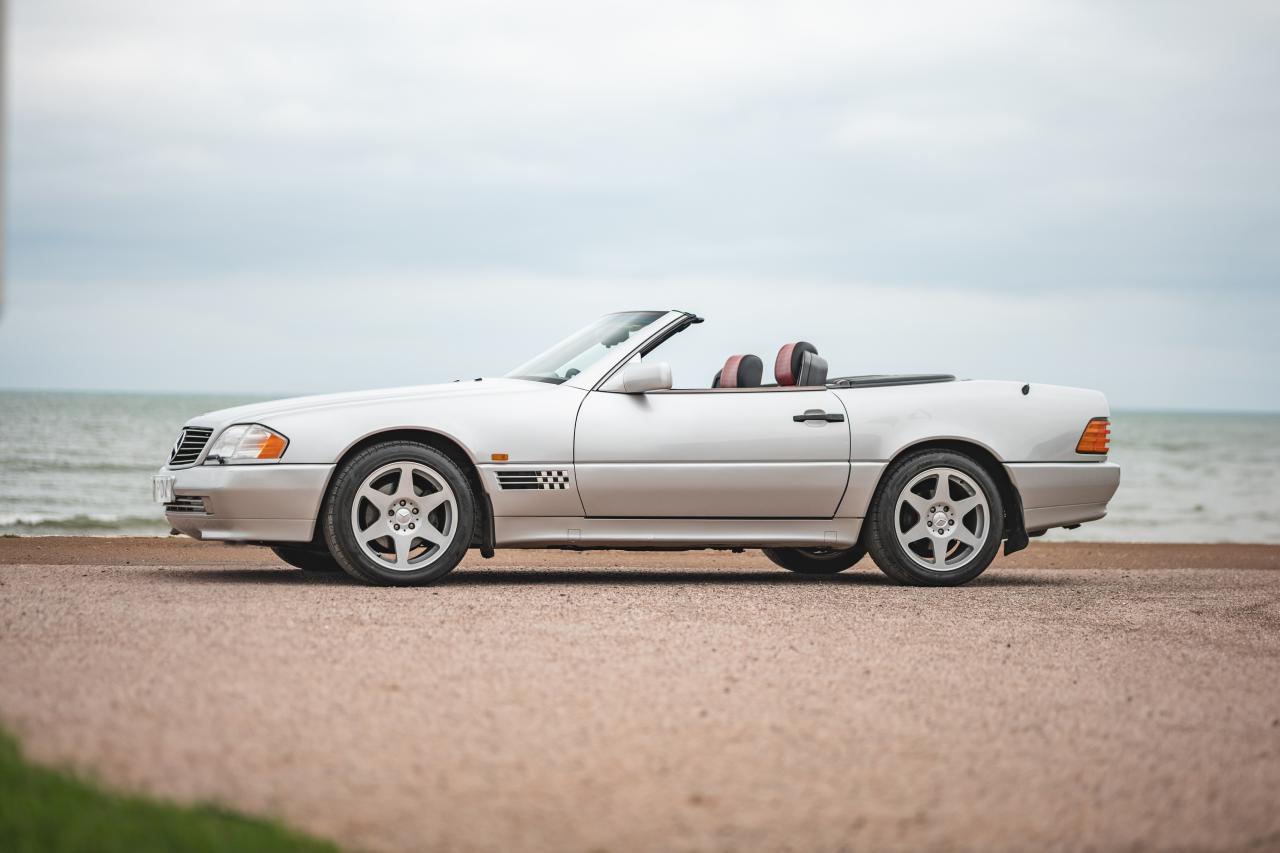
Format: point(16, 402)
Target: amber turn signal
point(273, 447)
point(1096, 437)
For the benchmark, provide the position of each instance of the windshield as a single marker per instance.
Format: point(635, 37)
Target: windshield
point(579, 351)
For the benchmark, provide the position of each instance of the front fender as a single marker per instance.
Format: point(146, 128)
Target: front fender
point(529, 425)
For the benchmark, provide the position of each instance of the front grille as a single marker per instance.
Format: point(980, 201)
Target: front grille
point(533, 479)
point(186, 450)
point(190, 504)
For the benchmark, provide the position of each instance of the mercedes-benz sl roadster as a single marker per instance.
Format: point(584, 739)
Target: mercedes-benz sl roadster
point(589, 445)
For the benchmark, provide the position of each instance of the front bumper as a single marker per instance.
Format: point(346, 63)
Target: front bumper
point(1056, 494)
point(247, 503)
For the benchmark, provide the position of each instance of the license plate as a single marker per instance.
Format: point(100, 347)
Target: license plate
point(162, 488)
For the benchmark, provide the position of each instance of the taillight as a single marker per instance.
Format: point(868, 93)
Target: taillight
point(1096, 437)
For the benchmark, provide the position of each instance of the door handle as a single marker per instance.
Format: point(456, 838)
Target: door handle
point(818, 415)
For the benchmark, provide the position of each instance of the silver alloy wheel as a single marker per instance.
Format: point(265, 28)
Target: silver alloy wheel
point(404, 516)
point(942, 519)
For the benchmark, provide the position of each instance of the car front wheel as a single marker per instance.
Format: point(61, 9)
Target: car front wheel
point(399, 514)
point(936, 520)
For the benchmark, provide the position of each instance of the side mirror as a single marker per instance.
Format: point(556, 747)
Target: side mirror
point(639, 378)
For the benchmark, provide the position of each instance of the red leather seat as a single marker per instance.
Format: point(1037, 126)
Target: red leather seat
point(740, 371)
point(800, 364)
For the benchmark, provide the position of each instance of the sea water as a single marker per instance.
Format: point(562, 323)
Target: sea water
point(81, 463)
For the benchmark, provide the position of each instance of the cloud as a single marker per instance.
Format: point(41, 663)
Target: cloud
point(1003, 154)
point(274, 336)
point(907, 136)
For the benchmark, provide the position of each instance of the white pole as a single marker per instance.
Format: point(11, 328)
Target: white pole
point(4, 132)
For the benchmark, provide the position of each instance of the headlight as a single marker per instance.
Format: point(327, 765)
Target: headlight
point(247, 443)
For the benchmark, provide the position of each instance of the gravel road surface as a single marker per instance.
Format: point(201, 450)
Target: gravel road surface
point(1074, 697)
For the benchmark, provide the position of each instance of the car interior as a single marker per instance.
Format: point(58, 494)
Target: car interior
point(796, 364)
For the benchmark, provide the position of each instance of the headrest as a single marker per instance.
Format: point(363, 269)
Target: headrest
point(740, 371)
point(786, 369)
point(813, 370)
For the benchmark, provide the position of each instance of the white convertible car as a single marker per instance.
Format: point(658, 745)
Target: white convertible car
point(589, 446)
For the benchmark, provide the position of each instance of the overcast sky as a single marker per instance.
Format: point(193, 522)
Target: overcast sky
point(304, 196)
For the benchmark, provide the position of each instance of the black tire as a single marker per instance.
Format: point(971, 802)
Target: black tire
point(339, 506)
point(885, 517)
point(816, 561)
point(319, 562)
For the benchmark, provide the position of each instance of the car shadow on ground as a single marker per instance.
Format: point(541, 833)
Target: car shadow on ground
point(589, 577)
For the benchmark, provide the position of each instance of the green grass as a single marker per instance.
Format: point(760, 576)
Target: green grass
point(47, 811)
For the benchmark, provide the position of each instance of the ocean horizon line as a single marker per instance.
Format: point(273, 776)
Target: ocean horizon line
point(274, 395)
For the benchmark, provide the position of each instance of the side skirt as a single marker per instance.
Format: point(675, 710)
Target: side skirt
point(568, 532)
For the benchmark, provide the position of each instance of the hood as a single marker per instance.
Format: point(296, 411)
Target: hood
point(263, 412)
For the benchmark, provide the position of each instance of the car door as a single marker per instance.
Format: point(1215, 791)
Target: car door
point(723, 453)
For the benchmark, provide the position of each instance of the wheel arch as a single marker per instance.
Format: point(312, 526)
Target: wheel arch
point(449, 446)
point(1015, 533)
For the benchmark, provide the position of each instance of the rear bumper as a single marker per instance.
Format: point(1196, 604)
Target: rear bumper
point(248, 503)
point(1055, 494)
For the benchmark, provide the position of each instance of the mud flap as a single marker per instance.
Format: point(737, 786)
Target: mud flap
point(1015, 533)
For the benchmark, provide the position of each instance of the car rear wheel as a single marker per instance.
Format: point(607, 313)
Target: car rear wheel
point(309, 561)
point(816, 561)
point(937, 520)
point(399, 514)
